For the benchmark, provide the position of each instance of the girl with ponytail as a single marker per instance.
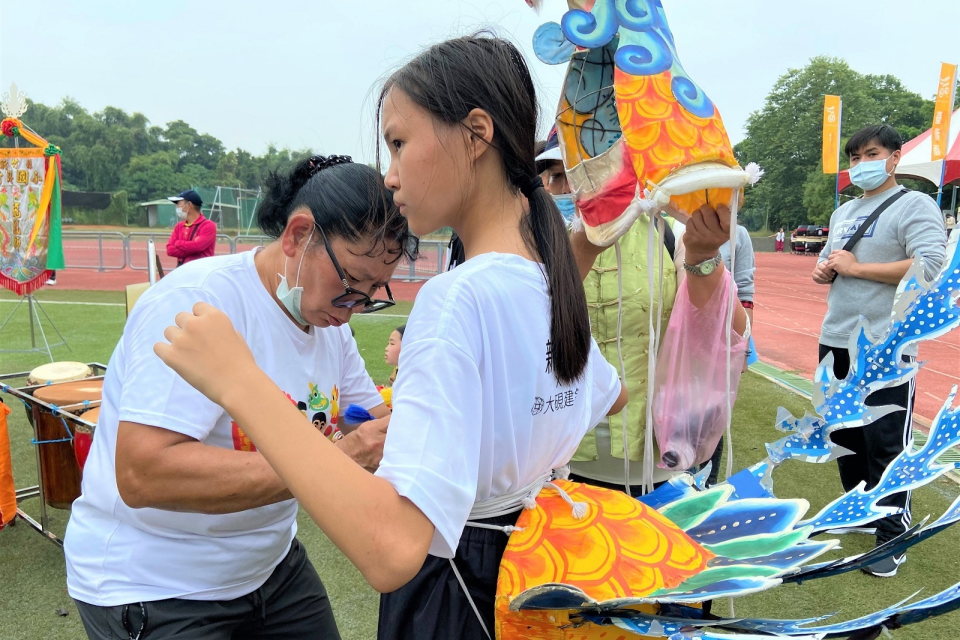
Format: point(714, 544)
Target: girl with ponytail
point(499, 378)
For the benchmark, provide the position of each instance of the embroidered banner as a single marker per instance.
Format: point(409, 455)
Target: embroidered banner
point(30, 235)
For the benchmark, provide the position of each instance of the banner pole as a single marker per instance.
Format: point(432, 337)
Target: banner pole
point(836, 200)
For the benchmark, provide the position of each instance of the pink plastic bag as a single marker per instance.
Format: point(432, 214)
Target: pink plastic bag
point(690, 385)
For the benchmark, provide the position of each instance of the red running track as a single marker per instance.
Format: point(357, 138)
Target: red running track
point(114, 278)
point(789, 309)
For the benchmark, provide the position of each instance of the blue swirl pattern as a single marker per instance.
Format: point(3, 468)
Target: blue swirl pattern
point(646, 44)
point(638, 15)
point(591, 29)
point(646, 55)
point(690, 95)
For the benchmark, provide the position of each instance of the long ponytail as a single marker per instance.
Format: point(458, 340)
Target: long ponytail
point(544, 231)
point(484, 72)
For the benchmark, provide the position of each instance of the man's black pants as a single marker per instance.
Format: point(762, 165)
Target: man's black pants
point(875, 445)
point(291, 604)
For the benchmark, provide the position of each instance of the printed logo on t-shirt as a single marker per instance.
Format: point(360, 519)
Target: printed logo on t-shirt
point(321, 410)
point(557, 402)
point(849, 227)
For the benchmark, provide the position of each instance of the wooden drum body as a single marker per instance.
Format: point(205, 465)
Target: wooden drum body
point(59, 467)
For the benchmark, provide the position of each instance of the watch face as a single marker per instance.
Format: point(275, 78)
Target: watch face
point(708, 268)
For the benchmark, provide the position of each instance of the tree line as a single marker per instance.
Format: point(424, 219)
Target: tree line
point(113, 151)
point(785, 138)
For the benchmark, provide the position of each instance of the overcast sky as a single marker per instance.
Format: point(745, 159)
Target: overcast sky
point(303, 74)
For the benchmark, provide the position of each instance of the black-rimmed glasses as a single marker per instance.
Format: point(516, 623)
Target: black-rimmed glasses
point(352, 298)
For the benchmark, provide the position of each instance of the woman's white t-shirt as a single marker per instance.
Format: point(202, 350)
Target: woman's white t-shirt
point(116, 554)
point(477, 411)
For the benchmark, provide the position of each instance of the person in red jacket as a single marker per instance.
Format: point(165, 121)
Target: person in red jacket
point(194, 236)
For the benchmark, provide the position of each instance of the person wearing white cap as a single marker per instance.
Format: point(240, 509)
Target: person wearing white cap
point(550, 166)
point(554, 176)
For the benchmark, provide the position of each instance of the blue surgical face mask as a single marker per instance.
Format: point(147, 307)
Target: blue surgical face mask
point(568, 208)
point(869, 175)
point(290, 297)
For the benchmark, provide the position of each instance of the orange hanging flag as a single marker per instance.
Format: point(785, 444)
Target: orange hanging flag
point(940, 134)
point(832, 108)
point(8, 492)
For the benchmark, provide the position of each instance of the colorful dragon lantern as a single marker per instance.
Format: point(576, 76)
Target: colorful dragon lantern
point(586, 562)
point(631, 119)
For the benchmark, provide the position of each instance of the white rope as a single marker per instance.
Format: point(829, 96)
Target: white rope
point(503, 505)
point(734, 205)
point(651, 367)
point(466, 592)
point(579, 509)
point(651, 373)
point(660, 230)
point(623, 369)
point(525, 498)
point(507, 529)
point(508, 503)
point(500, 506)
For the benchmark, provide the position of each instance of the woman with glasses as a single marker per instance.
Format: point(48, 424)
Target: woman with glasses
point(183, 528)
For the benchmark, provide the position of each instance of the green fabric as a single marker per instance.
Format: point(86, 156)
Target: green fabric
point(761, 544)
point(687, 512)
point(601, 291)
point(54, 238)
point(718, 574)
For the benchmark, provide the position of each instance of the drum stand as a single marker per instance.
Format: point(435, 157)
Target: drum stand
point(34, 309)
point(36, 491)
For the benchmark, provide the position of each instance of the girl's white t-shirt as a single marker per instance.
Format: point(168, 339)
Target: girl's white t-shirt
point(116, 554)
point(477, 412)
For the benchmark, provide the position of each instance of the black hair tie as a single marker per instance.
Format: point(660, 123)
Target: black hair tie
point(530, 185)
point(319, 163)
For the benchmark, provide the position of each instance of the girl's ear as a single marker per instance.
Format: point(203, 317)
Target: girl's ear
point(480, 125)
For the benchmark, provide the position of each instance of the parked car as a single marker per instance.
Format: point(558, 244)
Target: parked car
point(798, 239)
point(809, 238)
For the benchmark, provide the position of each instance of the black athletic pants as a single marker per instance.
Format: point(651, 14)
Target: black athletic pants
point(292, 604)
point(875, 445)
point(433, 604)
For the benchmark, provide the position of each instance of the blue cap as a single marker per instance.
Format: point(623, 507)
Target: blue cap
point(189, 195)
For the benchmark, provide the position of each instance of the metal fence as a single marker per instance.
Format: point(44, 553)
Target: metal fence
point(432, 260)
point(101, 250)
point(113, 251)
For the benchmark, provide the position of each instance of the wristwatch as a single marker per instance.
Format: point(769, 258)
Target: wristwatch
point(704, 268)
